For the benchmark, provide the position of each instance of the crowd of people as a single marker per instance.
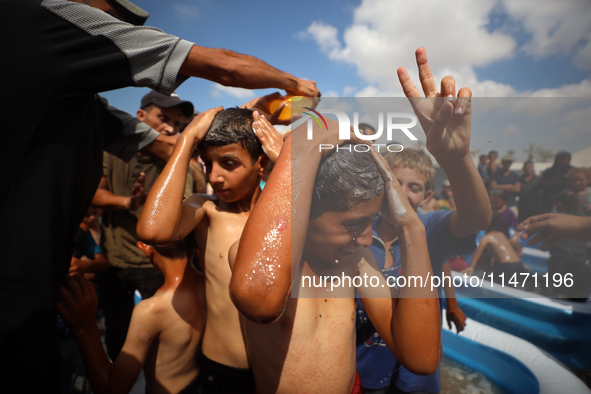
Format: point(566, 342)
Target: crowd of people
point(559, 190)
point(224, 306)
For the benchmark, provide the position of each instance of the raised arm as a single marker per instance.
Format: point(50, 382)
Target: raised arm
point(411, 324)
point(234, 69)
point(273, 238)
point(270, 228)
point(165, 217)
point(450, 145)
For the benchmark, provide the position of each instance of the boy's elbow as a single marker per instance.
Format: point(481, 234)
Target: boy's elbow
point(150, 234)
point(145, 233)
point(254, 302)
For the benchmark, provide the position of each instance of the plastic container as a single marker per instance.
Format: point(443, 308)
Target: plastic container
point(295, 105)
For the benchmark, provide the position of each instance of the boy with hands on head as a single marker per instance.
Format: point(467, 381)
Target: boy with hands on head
point(234, 163)
point(303, 228)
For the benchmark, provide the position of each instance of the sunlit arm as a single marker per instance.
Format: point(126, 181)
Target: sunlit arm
point(473, 212)
point(234, 69)
point(411, 324)
point(273, 238)
point(165, 218)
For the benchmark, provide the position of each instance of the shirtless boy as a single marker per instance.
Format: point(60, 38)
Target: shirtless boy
point(234, 162)
point(302, 228)
point(308, 344)
point(505, 258)
point(164, 333)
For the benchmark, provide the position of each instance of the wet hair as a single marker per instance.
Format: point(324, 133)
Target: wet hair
point(345, 179)
point(498, 193)
point(413, 159)
point(184, 248)
point(233, 126)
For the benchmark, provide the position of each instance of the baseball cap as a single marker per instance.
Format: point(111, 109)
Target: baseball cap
point(131, 12)
point(164, 101)
point(507, 158)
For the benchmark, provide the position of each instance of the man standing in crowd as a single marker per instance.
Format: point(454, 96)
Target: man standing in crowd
point(554, 180)
point(59, 55)
point(507, 180)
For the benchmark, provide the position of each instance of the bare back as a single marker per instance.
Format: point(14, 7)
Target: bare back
point(171, 364)
point(500, 247)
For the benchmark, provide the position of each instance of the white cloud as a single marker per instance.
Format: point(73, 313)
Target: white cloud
point(325, 36)
point(581, 89)
point(349, 90)
point(555, 27)
point(330, 93)
point(218, 90)
point(385, 33)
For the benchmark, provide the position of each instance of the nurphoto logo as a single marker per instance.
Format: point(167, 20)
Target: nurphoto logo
point(393, 124)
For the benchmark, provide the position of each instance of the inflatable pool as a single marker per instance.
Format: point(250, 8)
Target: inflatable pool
point(535, 259)
point(505, 371)
point(561, 328)
point(515, 365)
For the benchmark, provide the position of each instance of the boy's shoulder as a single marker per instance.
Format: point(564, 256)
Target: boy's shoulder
point(148, 313)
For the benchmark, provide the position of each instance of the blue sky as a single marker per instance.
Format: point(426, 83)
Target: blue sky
point(498, 48)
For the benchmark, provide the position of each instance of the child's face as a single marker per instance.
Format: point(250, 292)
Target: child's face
point(231, 173)
point(412, 183)
point(496, 203)
point(578, 182)
point(334, 236)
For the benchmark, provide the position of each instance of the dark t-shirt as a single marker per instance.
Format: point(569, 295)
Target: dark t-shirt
point(56, 56)
point(119, 226)
point(508, 179)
